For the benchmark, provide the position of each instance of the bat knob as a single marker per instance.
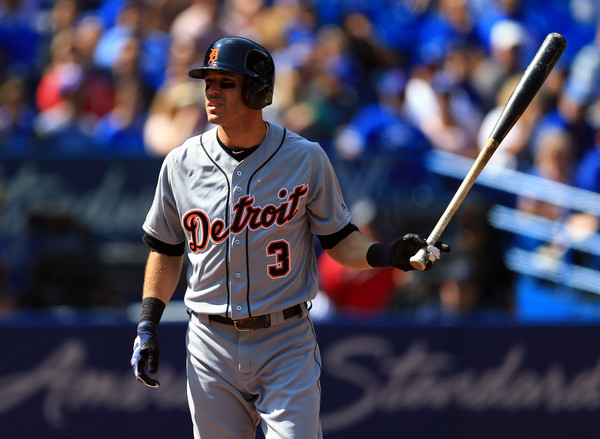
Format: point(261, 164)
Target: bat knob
point(419, 260)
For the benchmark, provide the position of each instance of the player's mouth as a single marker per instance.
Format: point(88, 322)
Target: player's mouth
point(214, 104)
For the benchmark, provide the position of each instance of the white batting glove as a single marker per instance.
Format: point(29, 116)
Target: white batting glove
point(433, 253)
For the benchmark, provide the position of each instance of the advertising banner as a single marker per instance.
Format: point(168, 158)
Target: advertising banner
point(391, 380)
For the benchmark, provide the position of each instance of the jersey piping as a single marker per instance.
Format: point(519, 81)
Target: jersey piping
point(227, 310)
point(248, 283)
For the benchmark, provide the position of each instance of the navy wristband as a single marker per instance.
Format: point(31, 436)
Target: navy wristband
point(379, 255)
point(152, 310)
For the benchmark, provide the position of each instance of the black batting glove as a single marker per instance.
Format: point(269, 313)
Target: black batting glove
point(145, 353)
point(399, 253)
point(145, 347)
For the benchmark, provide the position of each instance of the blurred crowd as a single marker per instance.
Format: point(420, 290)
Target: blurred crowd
point(110, 77)
point(364, 78)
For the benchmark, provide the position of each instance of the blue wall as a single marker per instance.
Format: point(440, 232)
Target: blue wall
point(66, 375)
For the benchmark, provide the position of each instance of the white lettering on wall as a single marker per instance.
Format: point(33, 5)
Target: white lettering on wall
point(381, 381)
point(69, 384)
point(420, 379)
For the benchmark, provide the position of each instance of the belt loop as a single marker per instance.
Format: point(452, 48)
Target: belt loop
point(277, 318)
point(202, 318)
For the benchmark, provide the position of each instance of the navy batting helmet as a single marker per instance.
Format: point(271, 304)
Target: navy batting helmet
point(244, 56)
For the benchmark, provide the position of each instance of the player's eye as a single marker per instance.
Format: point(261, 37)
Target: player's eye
point(228, 85)
point(220, 84)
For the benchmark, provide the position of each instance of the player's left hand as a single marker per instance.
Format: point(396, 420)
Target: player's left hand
point(145, 352)
point(409, 245)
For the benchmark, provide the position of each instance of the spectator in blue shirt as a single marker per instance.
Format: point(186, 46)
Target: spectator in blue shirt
point(570, 114)
point(133, 22)
point(382, 127)
point(121, 131)
point(18, 36)
point(16, 117)
point(587, 175)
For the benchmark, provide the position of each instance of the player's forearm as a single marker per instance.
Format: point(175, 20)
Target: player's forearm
point(162, 275)
point(351, 251)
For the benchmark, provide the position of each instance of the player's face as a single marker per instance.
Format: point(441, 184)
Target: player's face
point(223, 99)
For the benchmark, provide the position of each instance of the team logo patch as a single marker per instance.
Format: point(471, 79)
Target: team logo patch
point(214, 54)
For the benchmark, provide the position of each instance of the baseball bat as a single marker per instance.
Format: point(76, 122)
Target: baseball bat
point(531, 81)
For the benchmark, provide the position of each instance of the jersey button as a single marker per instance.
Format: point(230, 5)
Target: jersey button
point(238, 275)
point(239, 172)
point(239, 189)
point(239, 308)
point(237, 241)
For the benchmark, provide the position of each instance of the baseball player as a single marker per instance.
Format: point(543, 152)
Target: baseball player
point(243, 202)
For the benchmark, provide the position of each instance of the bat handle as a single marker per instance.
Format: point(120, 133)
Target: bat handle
point(419, 260)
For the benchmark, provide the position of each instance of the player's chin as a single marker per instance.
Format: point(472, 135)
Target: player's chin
point(213, 118)
point(214, 112)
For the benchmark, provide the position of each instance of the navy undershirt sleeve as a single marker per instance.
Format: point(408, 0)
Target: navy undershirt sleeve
point(330, 241)
point(163, 247)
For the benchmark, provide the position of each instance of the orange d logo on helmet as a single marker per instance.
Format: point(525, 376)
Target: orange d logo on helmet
point(214, 54)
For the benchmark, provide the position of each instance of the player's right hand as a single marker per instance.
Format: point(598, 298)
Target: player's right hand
point(145, 352)
point(402, 250)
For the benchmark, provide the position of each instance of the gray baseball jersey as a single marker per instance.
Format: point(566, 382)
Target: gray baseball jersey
point(248, 226)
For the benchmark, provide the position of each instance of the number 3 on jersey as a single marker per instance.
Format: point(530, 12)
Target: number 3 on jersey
point(281, 251)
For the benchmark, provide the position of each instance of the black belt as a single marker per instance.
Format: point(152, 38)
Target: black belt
point(257, 322)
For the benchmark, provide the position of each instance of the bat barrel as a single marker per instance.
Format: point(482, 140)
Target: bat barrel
point(536, 73)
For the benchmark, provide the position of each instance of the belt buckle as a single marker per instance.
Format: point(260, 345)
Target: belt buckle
point(240, 325)
point(244, 325)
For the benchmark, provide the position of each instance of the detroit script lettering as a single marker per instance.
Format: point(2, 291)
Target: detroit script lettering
point(245, 214)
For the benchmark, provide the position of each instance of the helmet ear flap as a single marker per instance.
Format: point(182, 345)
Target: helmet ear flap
point(259, 88)
point(258, 92)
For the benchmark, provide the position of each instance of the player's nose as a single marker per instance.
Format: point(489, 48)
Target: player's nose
point(213, 89)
